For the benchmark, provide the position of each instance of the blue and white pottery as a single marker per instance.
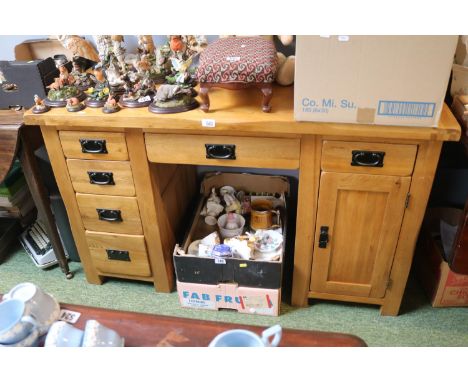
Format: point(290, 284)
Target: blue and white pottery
point(15, 325)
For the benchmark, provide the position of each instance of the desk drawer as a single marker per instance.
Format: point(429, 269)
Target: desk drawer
point(117, 214)
point(223, 150)
point(94, 145)
point(101, 177)
point(119, 254)
point(368, 158)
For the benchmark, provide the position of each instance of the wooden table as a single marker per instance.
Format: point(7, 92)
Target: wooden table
point(141, 329)
point(362, 190)
point(21, 141)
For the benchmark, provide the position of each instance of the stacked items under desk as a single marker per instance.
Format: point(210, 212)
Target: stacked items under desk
point(236, 267)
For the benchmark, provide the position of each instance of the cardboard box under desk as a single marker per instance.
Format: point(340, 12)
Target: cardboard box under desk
point(230, 296)
point(381, 80)
point(245, 273)
point(444, 287)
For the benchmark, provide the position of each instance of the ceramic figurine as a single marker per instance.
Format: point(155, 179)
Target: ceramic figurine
point(232, 204)
point(74, 105)
point(178, 46)
point(62, 89)
point(98, 93)
point(82, 79)
point(79, 47)
point(118, 50)
point(138, 84)
point(196, 44)
point(104, 44)
point(146, 44)
point(111, 105)
point(39, 106)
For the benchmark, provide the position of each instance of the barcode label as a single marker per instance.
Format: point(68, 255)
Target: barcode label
point(406, 109)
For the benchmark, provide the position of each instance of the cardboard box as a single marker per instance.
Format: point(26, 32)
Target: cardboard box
point(444, 287)
point(40, 49)
point(381, 80)
point(459, 84)
point(249, 273)
point(230, 296)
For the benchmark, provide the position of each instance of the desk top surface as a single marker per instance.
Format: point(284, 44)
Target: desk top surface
point(239, 112)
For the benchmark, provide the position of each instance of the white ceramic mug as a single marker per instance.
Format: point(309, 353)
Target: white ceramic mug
point(42, 306)
point(15, 323)
point(96, 334)
point(62, 334)
point(246, 338)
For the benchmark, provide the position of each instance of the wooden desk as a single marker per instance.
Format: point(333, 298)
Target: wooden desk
point(140, 329)
point(15, 141)
point(372, 214)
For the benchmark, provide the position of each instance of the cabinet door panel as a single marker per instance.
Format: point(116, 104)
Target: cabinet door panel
point(363, 214)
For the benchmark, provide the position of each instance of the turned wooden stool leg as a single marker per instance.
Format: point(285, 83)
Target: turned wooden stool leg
point(267, 91)
point(205, 106)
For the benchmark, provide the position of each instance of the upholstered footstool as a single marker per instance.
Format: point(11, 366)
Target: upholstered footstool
point(238, 63)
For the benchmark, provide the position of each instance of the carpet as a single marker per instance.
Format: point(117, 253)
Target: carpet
point(417, 325)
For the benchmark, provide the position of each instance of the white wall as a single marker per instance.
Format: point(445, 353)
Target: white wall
point(8, 43)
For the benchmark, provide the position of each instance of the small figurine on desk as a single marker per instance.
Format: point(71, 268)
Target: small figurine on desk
point(97, 94)
point(62, 89)
point(178, 95)
point(74, 105)
point(82, 79)
point(139, 88)
point(111, 105)
point(39, 106)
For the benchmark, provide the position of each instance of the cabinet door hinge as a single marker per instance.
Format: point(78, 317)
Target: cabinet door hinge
point(389, 283)
point(407, 199)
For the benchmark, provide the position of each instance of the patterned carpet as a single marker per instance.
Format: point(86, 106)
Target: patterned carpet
point(418, 324)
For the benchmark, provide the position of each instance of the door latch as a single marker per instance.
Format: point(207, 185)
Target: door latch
point(323, 238)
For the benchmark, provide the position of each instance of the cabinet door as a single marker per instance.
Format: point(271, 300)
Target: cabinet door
point(363, 214)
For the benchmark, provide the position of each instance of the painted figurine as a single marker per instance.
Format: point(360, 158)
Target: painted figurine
point(82, 79)
point(62, 89)
point(98, 93)
point(111, 105)
point(74, 105)
point(39, 106)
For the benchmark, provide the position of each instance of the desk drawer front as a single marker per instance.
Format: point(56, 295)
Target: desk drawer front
point(94, 145)
point(101, 177)
point(117, 214)
point(368, 158)
point(119, 254)
point(223, 150)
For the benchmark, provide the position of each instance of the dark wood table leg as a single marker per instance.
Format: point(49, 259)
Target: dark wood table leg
point(267, 91)
point(205, 104)
point(40, 197)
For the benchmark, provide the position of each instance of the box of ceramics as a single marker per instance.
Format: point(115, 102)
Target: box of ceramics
point(238, 233)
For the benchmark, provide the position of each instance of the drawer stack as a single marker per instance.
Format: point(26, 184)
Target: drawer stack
point(102, 178)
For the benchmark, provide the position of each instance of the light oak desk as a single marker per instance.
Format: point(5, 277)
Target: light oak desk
point(357, 225)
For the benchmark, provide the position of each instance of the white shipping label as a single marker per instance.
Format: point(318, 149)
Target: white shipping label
point(208, 123)
point(69, 316)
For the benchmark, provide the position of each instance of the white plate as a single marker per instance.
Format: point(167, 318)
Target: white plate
point(276, 241)
point(193, 247)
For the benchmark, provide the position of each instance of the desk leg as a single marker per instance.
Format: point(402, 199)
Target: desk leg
point(421, 184)
point(41, 199)
point(309, 174)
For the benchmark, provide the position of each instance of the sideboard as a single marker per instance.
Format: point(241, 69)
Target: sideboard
point(126, 178)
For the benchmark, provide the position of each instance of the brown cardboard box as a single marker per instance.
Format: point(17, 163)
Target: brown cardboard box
point(382, 80)
point(40, 49)
point(444, 287)
point(459, 85)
